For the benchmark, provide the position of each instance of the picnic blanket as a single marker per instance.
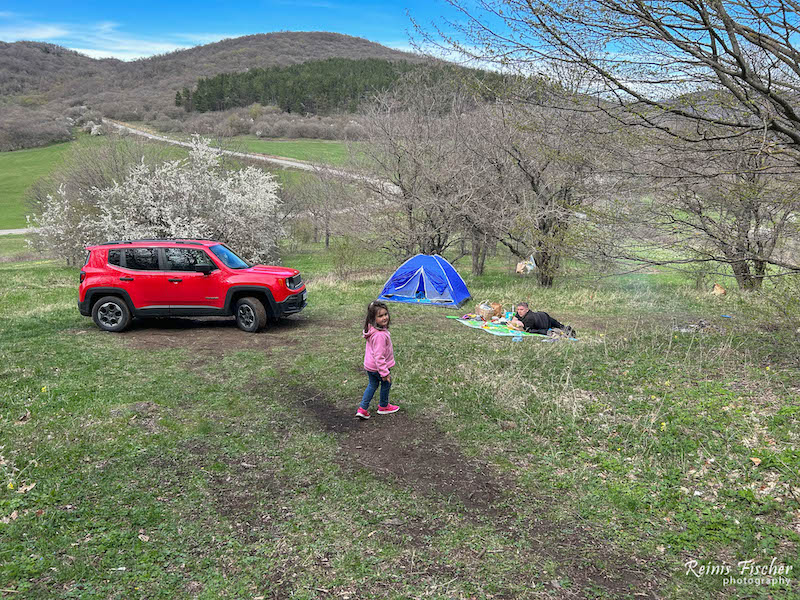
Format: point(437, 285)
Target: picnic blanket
point(494, 328)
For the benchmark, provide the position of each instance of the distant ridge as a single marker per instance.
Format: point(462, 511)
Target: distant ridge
point(35, 73)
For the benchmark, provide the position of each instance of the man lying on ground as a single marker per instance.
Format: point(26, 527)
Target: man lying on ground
point(538, 322)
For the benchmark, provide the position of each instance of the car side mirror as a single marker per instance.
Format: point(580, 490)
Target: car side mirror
point(204, 269)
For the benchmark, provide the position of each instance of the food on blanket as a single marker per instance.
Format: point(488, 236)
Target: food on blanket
point(485, 310)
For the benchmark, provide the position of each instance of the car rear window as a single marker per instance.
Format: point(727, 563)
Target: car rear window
point(143, 259)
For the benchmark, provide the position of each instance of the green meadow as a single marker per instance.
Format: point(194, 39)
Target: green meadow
point(315, 151)
point(184, 458)
point(18, 171)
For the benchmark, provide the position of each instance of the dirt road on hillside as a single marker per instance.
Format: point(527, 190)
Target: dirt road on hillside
point(286, 163)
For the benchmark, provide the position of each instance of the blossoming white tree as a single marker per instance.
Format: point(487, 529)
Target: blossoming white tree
point(189, 198)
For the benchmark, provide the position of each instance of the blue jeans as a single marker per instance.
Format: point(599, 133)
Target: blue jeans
point(375, 381)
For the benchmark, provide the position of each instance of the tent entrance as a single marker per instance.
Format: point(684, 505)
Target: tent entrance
point(419, 287)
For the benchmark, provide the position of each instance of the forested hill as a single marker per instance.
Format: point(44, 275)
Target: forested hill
point(317, 87)
point(33, 74)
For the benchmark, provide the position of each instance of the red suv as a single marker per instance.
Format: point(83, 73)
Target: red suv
point(160, 278)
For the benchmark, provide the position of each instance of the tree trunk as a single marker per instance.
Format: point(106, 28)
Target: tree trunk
point(546, 267)
point(478, 253)
point(741, 270)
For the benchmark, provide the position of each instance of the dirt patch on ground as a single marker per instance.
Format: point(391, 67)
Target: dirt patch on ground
point(209, 335)
point(416, 455)
point(144, 415)
point(413, 453)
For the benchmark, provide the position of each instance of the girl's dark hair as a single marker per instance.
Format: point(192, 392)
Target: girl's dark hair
point(372, 312)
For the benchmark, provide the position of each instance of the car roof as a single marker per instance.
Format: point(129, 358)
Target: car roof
point(154, 242)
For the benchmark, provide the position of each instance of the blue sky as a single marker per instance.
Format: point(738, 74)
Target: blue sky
point(138, 29)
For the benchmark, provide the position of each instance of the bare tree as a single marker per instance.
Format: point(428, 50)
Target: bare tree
point(716, 203)
point(539, 168)
point(701, 77)
point(329, 203)
point(478, 172)
point(646, 53)
point(413, 143)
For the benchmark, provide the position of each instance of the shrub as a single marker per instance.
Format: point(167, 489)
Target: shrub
point(166, 125)
point(191, 198)
point(26, 128)
point(346, 256)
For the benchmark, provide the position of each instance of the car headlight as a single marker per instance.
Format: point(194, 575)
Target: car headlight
point(295, 282)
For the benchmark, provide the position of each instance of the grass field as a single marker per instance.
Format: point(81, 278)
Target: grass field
point(186, 459)
point(315, 151)
point(12, 246)
point(18, 171)
point(329, 152)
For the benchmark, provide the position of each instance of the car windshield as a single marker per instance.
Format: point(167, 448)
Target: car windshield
point(227, 256)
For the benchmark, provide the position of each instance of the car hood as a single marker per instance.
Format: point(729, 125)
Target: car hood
point(268, 270)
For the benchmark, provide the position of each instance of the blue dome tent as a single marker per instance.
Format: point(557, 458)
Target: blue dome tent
point(426, 279)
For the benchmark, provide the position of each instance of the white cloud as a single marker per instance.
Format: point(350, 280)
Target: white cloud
point(126, 55)
point(34, 32)
point(104, 38)
point(98, 40)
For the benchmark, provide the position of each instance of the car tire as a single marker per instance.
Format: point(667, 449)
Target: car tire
point(251, 315)
point(111, 313)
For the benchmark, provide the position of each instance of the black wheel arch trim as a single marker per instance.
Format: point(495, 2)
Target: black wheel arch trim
point(94, 294)
point(272, 306)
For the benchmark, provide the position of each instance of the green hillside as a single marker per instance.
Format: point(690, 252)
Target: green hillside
point(18, 172)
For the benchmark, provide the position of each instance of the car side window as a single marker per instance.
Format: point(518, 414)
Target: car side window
point(185, 259)
point(143, 259)
point(113, 257)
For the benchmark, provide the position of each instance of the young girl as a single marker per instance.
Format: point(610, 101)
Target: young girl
point(378, 359)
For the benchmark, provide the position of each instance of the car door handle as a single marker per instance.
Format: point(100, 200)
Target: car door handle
point(175, 280)
point(126, 278)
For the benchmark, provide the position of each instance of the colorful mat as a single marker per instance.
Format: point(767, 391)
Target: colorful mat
point(494, 328)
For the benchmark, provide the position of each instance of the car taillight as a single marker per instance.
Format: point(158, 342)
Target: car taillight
point(83, 276)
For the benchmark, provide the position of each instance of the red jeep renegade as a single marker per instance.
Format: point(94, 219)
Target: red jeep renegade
point(159, 278)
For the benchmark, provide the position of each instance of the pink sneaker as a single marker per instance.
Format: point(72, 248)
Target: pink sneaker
point(362, 414)
point(388, 409)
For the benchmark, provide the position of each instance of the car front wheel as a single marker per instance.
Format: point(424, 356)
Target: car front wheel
point(251, 315)
point(111, 314)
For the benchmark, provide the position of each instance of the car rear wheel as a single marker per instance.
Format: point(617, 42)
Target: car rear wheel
point(110, 313)
point(251, 315)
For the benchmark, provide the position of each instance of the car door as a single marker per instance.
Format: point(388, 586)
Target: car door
point(189, 289)
point(139, 275)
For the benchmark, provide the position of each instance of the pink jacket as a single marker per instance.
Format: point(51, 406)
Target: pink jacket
point(379, 354)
